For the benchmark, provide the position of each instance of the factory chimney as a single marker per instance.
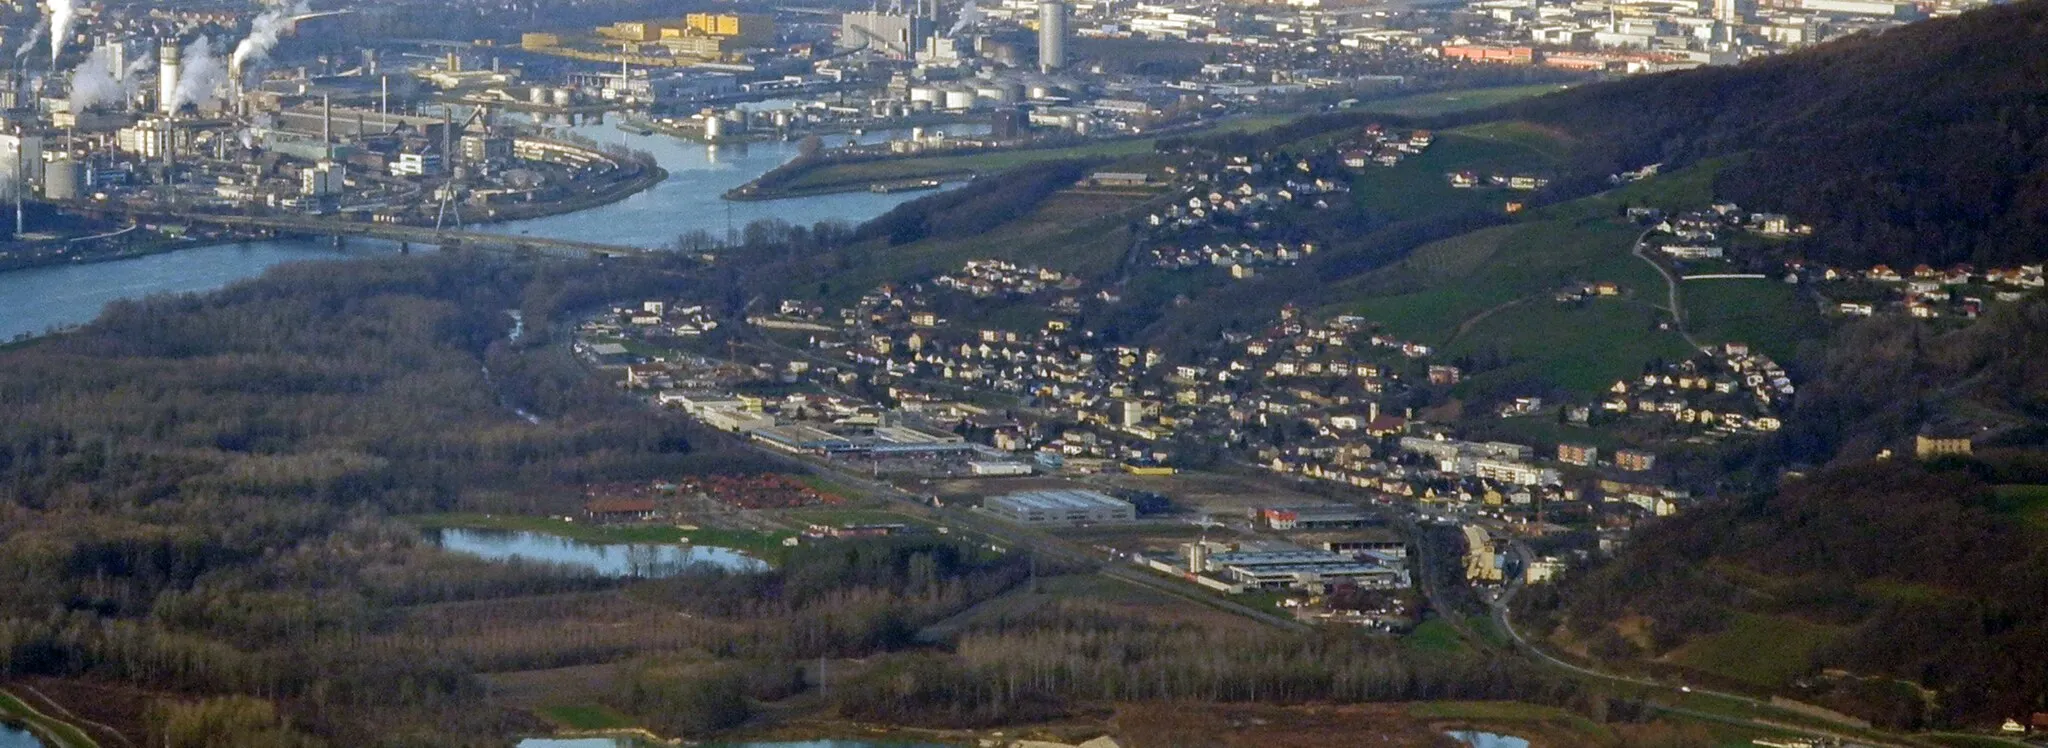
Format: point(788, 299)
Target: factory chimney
point(327, 124)
point(167, 76)
point(1052, 35)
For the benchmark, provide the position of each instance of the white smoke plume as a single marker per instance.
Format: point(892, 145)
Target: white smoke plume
point(200, 75)
point(95, 81)
point(34, 35)
point(61, 15)
point(263, 35)
point(969, 15)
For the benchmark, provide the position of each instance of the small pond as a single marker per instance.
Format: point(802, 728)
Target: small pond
point(609, 559)
point(1489, 740)
point(15, 737)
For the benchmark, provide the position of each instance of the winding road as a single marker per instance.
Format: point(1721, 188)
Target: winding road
point(1670, 289)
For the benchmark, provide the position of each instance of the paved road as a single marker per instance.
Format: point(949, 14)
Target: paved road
point(1670, 289)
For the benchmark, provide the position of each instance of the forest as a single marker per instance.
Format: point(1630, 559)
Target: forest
point(1922, 144)
point(1927, 573)
point(199, 499)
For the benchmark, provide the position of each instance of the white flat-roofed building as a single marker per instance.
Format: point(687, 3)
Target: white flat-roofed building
point(1060, 507)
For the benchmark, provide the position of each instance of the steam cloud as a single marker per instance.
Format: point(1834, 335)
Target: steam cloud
point(34, 35)
point(200, 75)
point(969, 14)
point(263, 35)
point(61, 15)
point(96, 82)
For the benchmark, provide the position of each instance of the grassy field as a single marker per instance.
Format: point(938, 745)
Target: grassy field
point(1436, 637)
point(1756, 649)
point(1515, 715)
point(1446, 102)
point(1419, 187)
point(54, 732)
point(1767, 314)
point(765, 544)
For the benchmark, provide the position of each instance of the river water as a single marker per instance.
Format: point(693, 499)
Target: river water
point(35, 300)
point(15, 738)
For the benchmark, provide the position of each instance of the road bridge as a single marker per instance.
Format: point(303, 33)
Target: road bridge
point(398, 232)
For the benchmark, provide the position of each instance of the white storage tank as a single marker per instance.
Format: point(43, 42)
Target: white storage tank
point(564, 97)
point(927, 94)
point(959, 99)
point(714, 126)
point(537, 95)
point(63, 180)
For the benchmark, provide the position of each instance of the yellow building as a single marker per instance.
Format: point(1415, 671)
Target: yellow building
point(1927, 446)
point(631, 31)
point(741, 29)
point(539, 41)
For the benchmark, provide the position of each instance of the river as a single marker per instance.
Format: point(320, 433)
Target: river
point(35, 300)
point(16, 738)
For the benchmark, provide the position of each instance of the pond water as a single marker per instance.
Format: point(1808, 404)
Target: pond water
point(1489, 740)
point(16, 738)
point(609, 559)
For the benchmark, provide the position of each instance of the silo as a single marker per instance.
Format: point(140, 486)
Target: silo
point(927, 94)
point(564, 97)
point(63, 180)
point(167, 76)
point(1052, 35)
point(714, 126)
point(959, 99)
point(1041, 90)
point(537, 95)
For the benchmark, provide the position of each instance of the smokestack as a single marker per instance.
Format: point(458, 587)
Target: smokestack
point(167, 76)
point(383, 98)
point(326, 123)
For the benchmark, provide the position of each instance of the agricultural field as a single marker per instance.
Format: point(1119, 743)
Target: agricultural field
point(1759, 650)
point(1771, 316)
point(2027, 503)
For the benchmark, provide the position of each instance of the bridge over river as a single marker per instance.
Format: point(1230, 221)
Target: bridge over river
point(398, 232)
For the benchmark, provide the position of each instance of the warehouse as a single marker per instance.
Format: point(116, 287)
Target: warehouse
point(1061, 507)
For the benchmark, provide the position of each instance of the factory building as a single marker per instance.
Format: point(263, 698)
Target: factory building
point(892, 35)
point(1060, 507)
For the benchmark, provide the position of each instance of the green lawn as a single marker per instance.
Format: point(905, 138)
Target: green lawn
point(1759, 650)
point(1436, 637)
point(586, 717)
point(56, 733)
point(1420, 185)
point(1545, 141)
point(1769, 315)
point(1446, 102)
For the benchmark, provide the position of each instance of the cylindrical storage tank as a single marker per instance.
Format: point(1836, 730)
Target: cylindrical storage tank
point(564, 97)
point(927, 94)
point(917, 135)
point(988, 91)
point(1042, 90)
point(714, 127)
point(781, 118)
point(958, 99)
point(538, 95)
point(63, 180)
